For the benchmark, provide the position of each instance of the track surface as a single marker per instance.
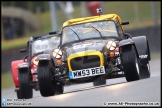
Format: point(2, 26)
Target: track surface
point(115, 90)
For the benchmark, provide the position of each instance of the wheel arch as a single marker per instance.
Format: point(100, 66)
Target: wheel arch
point(14, 70)
point(142, 48)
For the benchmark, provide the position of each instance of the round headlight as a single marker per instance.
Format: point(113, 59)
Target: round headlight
point(57, 53)
point(111, 45)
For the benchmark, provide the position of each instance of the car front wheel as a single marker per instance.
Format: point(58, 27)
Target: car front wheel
point(25, 90)
point(99, 81)
point(130, 63)
point(18, 94)
point(45, 78)
point(59, 88)
point(145, 71)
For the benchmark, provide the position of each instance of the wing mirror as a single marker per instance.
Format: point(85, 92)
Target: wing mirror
point(125, 22)
point(54, 32)
point(22, 50)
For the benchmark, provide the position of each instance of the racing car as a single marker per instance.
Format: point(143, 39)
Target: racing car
point(92, 48)
point(25, 71)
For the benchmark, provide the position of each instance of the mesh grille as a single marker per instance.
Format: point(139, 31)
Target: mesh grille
point(85, 62)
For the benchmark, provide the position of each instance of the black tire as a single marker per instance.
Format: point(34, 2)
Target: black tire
point(45, 82)
point(145, 71)
point(26, 90)
point(18, 94)
point(99, 81)
point(130, 63)
point(59, 88)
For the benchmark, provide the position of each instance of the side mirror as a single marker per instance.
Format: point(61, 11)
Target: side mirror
point(53, 32)
point(125, 22)
point(22, 50)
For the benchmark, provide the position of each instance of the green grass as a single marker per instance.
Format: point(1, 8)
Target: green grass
point(7, 79)
point(155, 56)
point(124, 9)
point(16, 43)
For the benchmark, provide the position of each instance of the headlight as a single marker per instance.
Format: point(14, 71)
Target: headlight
point(57, 53)
point(34, 60)
point(111, 45)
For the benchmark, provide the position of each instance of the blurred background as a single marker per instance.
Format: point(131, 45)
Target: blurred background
point(20, 20)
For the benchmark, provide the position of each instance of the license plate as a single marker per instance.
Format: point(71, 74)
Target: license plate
point(87, 72)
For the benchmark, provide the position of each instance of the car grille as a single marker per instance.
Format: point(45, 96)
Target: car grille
point(85, 62)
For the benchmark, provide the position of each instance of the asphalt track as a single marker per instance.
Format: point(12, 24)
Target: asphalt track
point(116, 91)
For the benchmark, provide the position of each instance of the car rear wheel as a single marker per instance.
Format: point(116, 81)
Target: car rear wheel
point(26, 90)
point(45, 79)
point(99, 81)
point(18, 94)
point(130, 63)
point(145, 71)
point(59, 88)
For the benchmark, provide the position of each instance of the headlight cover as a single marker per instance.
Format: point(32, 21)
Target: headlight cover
point(57, 53)
point(111, 45)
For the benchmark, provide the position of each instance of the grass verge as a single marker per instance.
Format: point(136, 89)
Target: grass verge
point(125, 10)
point(16, 43)
point(155, 55)
point(6, 80)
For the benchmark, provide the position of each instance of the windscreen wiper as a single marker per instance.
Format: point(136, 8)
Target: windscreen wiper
point(75, 33)
point(98, 31)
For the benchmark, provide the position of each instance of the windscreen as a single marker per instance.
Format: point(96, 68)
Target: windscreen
point(88, 30)
point(45, 44)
